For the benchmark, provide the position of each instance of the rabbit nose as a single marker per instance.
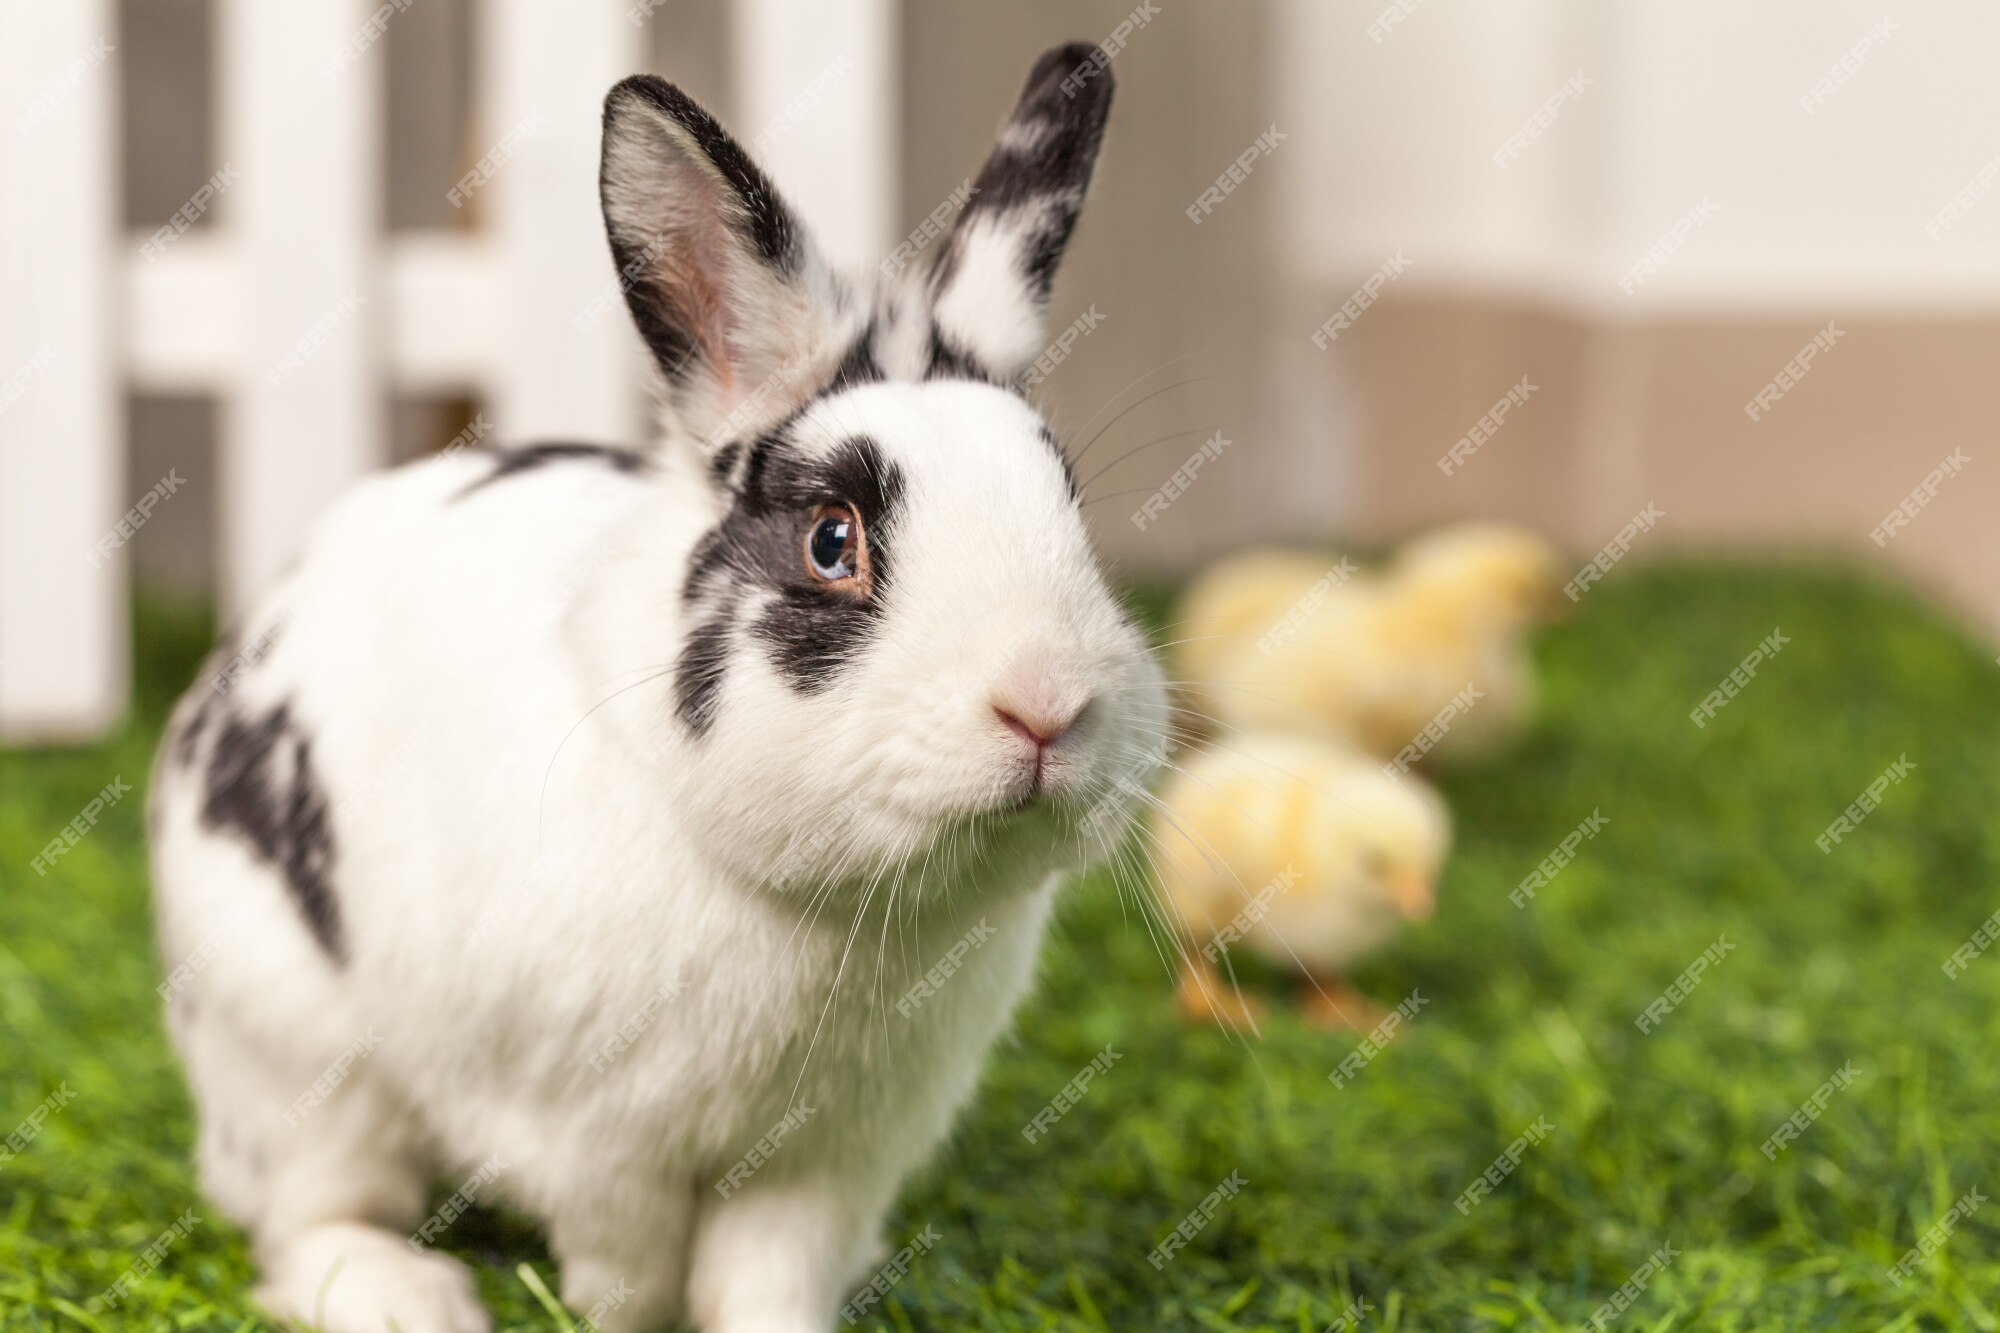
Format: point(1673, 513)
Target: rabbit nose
point(1041, 726)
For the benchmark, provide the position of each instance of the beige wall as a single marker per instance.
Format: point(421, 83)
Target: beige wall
point(1627, 414)
point(1385, 149)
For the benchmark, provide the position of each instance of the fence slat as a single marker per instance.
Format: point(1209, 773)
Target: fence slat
point(566, 365)
point(296, 312)
point(306, 415)
point(64, 655)
point(816, 101)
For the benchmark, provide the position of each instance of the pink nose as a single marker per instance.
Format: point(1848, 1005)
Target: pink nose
point(1039, 727)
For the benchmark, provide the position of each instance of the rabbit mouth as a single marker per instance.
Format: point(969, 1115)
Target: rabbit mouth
point(1028, 795)
point(1017, 804)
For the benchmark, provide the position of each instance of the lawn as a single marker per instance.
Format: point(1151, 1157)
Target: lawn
point(1649, 1143)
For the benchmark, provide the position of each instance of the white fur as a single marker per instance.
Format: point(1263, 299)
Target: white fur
point(531, 849)
point(984, 307)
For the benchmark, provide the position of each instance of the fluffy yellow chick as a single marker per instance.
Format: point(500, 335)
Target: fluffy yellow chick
point(1235, 601)
point(1300, 851)
point(1428, 656)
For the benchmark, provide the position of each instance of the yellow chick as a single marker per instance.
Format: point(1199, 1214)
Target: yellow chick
point(1236, 600)
point(1300, 851)
point(1430, 655)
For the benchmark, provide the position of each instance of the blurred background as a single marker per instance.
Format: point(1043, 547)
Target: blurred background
point(251, 251)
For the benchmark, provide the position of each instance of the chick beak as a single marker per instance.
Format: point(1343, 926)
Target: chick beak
point(1413, 895)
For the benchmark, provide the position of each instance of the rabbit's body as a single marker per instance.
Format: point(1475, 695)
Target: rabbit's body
point(579, 837)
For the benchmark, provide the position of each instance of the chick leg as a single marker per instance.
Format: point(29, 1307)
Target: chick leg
point(1332, 1004)
point(1202, 996)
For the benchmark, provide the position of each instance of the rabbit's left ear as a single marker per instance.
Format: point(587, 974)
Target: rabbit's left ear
point(990, 282)
point(722, 280)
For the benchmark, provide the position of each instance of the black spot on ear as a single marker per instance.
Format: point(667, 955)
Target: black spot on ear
point(859, 365)
point(724, 462)
point(262, 788)
point(513, 462)
point(764, 218)
point(950, 362)
point(673, 345)
point(1042, 166)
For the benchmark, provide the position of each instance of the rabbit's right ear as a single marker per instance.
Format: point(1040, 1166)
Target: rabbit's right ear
point(723, 282)
point(990, 279)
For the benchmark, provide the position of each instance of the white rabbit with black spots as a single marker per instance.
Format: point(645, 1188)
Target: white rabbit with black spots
point(591, 824)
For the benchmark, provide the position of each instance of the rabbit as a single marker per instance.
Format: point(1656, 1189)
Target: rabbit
point(654, 841)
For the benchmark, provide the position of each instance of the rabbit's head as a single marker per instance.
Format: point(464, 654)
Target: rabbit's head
point(898, 644)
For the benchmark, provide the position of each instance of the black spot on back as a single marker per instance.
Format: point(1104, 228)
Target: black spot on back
point(262, 788)
point(227, 664)
point(193, 724)
point(513, 462)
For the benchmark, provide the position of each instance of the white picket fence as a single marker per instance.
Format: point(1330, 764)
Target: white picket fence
point(299, 315)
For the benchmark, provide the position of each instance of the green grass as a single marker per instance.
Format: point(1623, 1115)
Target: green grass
point(1655, 1138)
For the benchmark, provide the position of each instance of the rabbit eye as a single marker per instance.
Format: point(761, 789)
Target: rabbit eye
point(834, 550)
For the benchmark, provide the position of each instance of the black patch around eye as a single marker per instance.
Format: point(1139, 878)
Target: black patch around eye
point(698, 675)
point(262, 787)
point(513, 462)
point(811, 639)
point(758, 547)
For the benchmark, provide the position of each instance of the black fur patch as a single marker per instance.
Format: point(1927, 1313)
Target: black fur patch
point(221, 672)
point(949, 362)
point(1046, 178)
point(724, 462)
point(859, 365)
point(263, 789)
point(674, 347)
point(187, 744)
point(762, 217)
point(758, 547)
point(698, 675)
point(765, 219)
point(1062, 456)
point(512, 462)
